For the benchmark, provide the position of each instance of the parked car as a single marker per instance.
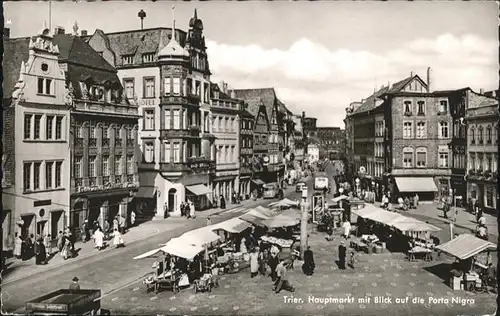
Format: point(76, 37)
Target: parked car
point(300, 186)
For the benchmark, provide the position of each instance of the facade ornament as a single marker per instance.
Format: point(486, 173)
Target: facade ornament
point(18, 92)
point(85, 91)
point(75, 29)
point(124, 98)
point(70, 95)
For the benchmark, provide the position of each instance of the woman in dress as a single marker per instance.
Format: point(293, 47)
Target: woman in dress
point(191, 210)
point(18, 243)
point(99, 239)
point(117, 239)
point(254, 262)
point(66, 247)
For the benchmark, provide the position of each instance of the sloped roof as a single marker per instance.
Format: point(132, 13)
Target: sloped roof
point(245, 113)
point(254, 97)
point(73, 49)
point(477, 100)
point(138, 42)
point(15, 52)
point(370, 103)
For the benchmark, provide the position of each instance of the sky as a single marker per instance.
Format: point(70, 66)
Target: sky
point(319, 56)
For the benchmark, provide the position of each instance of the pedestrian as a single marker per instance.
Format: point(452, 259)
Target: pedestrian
point(272, 262)
point(254, 262)
point(347, 229)
point(66, 248)
point(83, 230)
point(118, 239)
point(192, 213)
point(121, 223)
point(308, 266)
point(30, 247)
point(18, 243)
point(209, 221)
point(115, 223)
point(262, 262)
point(222, 202)
point(48, 245)
point(99, 239)
point(187, 210)
point(342, 255)
point(282, 279)
point(40, 253)
point(60, 241)
point(106, 229)
point(352, 259)
point(75, 286)
point(479, 214)
point(415, 201)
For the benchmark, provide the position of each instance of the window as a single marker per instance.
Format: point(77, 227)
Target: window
point(490, 193)
point(227, 128)
point(44, 86)
point(48, 174)
point(177, 85)
point(479, 134)
point(118, 165)
point(38, 119)
point(472, 135)
point(59, 121)
point(443, 160)
point(168, 120)
point(421, 157)
point(149, 119)
point(78, 167)
point(421, 108)
point(443, 129)
point(167, 152)
point(167, 85)
point(221, 122)
point(407, 105)
point(407, 130)
point(36, 175)
point(127, 59)
point(105, 166)
point(149, 87)
point(177, 119)
point(488, 135)
point(443, 106)
point(27, 126)
point(48, 127)
point(149, 151)
point(58, 174)
point(488, 163)
point(129, 88)
point(27, 176)
point(130, 164)
point(92, 171)
point(148, 57)
point(177, 152)
point(421, 132)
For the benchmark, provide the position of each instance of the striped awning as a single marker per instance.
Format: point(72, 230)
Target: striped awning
point(466, 246)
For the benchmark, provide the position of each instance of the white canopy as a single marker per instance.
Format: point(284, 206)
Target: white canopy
point(200, 237)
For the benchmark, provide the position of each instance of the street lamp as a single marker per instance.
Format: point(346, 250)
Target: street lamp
point(142, 15)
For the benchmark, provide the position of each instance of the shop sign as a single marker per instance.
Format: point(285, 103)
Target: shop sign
point(42, 203)
point(148, 102)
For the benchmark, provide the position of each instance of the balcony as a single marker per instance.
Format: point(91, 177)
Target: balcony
point(179, 133)
point(93, 142)
point(105, 142)
point(118, 142)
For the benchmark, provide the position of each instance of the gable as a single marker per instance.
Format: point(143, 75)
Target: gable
point(415, 85)
point(100, 43)
point(261, 121)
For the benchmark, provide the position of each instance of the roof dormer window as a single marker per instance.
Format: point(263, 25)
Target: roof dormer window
point(96, 93)
point(148, 57)
point(128, 59)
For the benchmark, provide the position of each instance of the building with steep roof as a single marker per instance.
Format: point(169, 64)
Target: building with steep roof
point(246, 151)
point(264, 105)
point(76, 157)
point(165, 71)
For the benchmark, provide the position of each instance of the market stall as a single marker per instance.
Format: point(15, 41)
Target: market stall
point(466, 248)
point(285, 203)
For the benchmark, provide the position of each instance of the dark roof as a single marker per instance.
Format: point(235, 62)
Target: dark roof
point(73, 49)
point(246, 114)
point(138, 42)
point(254, 98)
point(370, 103)
point(15, 52)
point(450, 91)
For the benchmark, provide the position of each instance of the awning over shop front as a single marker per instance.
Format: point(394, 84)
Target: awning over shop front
point(145, 192)
point(406, 184)
point(466, 246)
point(258, 181)
point(233, 225)
point(198, 189)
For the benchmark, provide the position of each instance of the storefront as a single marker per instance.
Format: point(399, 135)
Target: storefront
point(425, 187)
point(224, 186)
point(245, 187)
point(199, 195)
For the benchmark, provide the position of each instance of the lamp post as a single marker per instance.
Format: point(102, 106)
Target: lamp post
point(142, 15)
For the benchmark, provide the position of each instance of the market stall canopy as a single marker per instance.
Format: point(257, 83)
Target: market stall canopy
point(255, 213)
point(258, 181)
point(384, 217)
point(182, 250)
point(233, 225)
point(408, 224)
point(150, 253)
point(201, 236)
point(284, 203)
point(265, 211)
point(466, 246)
point(252, 220)
point(340, 198)
point(291, 213)
point(281, 221)
point(365, 211)
point(422, 184)
point(198, 189)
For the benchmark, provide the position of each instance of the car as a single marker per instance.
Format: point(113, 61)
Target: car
point(300, 186)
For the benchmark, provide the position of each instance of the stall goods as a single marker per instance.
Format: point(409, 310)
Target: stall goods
point(283, 243)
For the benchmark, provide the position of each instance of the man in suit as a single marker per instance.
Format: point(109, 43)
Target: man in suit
point(342, 255)
point(75, 285)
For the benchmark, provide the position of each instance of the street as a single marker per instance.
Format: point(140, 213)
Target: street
point(108, 271)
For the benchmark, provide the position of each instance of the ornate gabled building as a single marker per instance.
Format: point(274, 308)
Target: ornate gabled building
point(225, 121)
point(247, 122)
point(68, 99)
point(166, 72)
point(274, 145)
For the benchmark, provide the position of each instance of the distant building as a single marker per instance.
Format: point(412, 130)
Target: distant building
point(297, 141)
point(246, 151)
point(312, 153)
point(331, 141)
point(308, 125)
point(481, 119)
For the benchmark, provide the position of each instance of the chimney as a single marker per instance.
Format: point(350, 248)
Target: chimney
point(411, 73)
point(83, 33)
point(6, 33)
point(225, 88)
point(59, 30)
point(481, 91)
point(222, 85)
point(429, 79)
point(233, 94)
point(303, 114)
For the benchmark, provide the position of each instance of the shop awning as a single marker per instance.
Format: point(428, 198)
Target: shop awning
point(258, 181)
point(198, 189)
point(466, 246)
point(416, 184)
point(200, 237)
point(145, 192)
point(233, 225)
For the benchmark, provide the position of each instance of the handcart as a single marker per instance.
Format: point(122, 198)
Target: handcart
point(205, 283)
point(169, 279)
